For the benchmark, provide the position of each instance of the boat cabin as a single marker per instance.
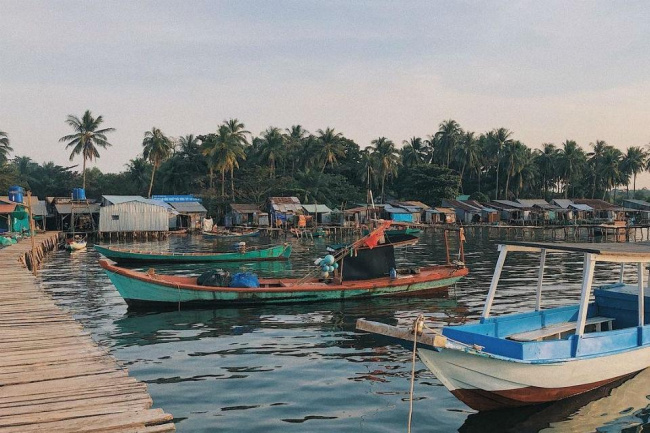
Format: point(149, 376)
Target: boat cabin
point(615, 321)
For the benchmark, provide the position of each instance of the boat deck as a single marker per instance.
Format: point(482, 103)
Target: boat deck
point(53, 377)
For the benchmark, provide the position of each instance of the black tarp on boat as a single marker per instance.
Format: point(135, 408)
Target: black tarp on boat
point(364, 263)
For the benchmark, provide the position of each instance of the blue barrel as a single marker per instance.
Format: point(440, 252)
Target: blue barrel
point(16, 193)
point(78, 194)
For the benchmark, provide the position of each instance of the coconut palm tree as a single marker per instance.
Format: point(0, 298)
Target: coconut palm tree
point(467, 154)
point(413, 152)
point(331, 146)
point(595, 162)
point(546, 161)
point(137, 171)
point(295, 138)
point(5, 148)
point(387, 159)
point(447, 139)
point(87, 138)
point(498, 139)
point(514, 160)
point(634, 162)
point(272, 148)
point(611, 168)
point(572, 159)
point(157, 148)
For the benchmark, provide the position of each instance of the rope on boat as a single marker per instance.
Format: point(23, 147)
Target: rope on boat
point(418, 327)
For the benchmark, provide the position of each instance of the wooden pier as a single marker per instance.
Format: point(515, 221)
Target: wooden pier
point(53, 377)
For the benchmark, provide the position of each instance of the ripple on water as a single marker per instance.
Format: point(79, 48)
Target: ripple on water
point(302, 367)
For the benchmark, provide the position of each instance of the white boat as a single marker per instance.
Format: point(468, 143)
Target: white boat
point(75, 244)
point(548, 354)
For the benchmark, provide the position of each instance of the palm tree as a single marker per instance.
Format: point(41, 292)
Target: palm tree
point(595, 161)
point(295, 138)
point(86, 138)
point(447, 138)
point(499, 138)
point(546, 160)
point(4, 146)
point(611, 168)
point(514, 159)
point(413, 152)
point(633, 163)
point(468, 154)
point(137, 171)
point(386, 156)
point(331, 146)
point(157, 148)
point(571, 161)
point(271, 148)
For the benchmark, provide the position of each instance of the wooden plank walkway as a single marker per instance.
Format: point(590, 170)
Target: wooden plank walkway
point(53, 377)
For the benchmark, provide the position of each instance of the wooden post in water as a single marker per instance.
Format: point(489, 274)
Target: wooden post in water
point(31, 231)
point(447, 246)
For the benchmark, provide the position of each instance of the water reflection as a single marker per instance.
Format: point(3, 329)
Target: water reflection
point(304, 368)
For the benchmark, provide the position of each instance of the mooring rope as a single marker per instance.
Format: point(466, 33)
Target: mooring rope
point(418, 327)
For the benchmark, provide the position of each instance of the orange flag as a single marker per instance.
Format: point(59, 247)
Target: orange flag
point(373, 238)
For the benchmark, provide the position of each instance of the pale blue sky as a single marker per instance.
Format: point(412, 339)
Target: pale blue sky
point(547, 70)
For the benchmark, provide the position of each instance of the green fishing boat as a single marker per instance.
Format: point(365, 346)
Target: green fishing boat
point(124, 255)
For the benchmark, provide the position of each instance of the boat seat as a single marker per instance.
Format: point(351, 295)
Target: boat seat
point(556, 330)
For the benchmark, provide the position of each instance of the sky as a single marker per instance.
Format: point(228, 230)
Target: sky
point(547, 70)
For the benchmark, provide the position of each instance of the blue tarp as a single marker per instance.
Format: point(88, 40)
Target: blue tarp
point(402, 217)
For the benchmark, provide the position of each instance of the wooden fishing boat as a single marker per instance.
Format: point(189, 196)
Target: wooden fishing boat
point(547, 354)
point(146, 289)
point(367, 269)
point(124, 255)
point(227, 234)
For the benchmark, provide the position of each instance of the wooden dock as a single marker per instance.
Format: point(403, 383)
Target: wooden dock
point(53, 376)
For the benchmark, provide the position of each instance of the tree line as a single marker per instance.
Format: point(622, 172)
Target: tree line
point(231, 164)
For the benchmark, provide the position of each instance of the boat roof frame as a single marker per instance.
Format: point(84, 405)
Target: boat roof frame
point(638, 253)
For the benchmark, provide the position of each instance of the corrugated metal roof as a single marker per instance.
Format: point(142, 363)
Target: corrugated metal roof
point(245, 207)
point(582, 207)
point(40, 208)
point(564, 203)
point(510, 203)
point(441, 210)
point(189, 207)
point(462, 206)
point(284, 200)
point(313, 208)
point(117, 199)
point(597, 204)
point(416, 203)
point(285, 204)
point(396, 210)
point(66, 208)
point(537, 202)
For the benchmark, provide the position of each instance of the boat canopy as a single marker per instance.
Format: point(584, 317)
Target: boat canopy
point(637, 252)
point(633, 253)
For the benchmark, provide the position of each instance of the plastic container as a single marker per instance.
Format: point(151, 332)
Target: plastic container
point(16, 193)
point(78, 194)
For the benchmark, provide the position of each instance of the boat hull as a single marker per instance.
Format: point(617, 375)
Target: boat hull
point(233, 235)
point(484, 382)
point(142, 290)
point(279, 252)
point(75, 246)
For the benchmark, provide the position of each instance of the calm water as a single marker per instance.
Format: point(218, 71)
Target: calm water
point(303, 368)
